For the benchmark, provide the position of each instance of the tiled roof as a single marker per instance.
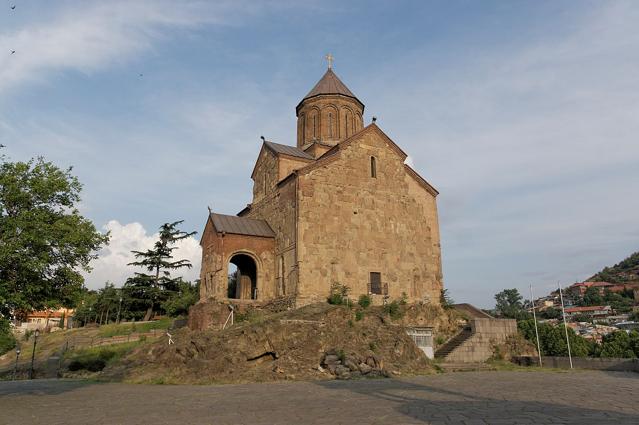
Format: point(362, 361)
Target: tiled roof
point(330, 84)
point(241, 225)
point(590, 308)
point(288, 150)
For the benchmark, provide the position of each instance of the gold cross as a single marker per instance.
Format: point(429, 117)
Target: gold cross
point(329, 58)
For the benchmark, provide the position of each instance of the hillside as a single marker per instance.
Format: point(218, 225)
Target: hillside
point(622, 272)
point(314, 342)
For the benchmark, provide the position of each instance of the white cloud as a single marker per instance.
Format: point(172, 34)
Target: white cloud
point(112, 262)
point(87, 36)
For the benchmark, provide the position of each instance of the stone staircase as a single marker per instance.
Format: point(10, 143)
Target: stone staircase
point(454, 342)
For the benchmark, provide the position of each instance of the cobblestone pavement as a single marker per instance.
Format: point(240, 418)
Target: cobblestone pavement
point(584, 397)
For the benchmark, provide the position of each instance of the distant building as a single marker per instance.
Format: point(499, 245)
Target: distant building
point(596, 311)
point(48, 319)
point(579, 289)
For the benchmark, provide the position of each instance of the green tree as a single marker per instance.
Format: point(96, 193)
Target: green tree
point(592, 297)
point(179, 302)
point(44, 241)
point(620, 344)
point(553, 339)
point(550, 313)
point(159, 262)
point(509, 303)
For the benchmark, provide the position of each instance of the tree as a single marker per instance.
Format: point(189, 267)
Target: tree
point(44, 241)
point(509, 304)
point(445, 299)
point(592, 297)
point(552, 339)
point(620, 344)
point(159, 262)
point(178, 302)
point(550, 313)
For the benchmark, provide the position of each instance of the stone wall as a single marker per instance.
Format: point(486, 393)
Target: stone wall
point(278, 209)
point(486, 333)
point(351, 224)
point(611, 364)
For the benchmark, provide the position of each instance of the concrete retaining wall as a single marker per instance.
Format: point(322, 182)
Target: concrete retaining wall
point(594, 363)
point(486, 333)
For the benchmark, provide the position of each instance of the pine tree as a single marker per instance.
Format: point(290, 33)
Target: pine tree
point(159, 262)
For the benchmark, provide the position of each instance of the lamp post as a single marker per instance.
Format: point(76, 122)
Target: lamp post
point(35, 341)
point(119, 309)
point(15, 369)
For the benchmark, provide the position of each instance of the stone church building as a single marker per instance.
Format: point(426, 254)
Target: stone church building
point(340, 207)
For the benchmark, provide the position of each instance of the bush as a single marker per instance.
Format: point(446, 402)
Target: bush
point(96, 358)
point(339, 294)
point(359, 315)
point(364, 301)
point(7, 340)
point(394, 310)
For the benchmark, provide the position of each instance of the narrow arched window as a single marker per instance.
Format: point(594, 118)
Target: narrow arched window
point(330, 125)
point(373, 167)
point(314, 126)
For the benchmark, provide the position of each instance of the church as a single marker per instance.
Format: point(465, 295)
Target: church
point(341, 207)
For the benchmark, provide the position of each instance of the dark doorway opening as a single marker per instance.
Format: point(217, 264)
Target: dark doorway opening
point(242, 278)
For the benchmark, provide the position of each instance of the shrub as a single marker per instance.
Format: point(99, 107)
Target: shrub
point(364, 301)
point(394, 310)
point(440, 339)
point(359, 315)
point(96, 358)
point(339, 294)
point(404, 299)
point(7, 340)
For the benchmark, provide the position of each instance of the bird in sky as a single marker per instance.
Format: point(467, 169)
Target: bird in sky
point(13, 7)
point(13, 51)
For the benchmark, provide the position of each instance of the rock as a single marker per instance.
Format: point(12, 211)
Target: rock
point(332, 368)
point(349, 363)
point(321, 369)
point(278, 369)
point(396, 372)
point(331, 359)
point(364, 368)
point(371, 362)
point(342, 370)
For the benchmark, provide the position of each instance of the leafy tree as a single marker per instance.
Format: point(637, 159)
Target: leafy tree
point(620, 344)
point(509, 303)
point(553, 339)
point(178, 302)
point(592, 297)
point(159, 262)
point(44, 241)
point(618, 302)
point(550, 313)
point(7, 340)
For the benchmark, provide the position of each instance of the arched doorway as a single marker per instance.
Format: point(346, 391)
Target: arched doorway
point(242, 277)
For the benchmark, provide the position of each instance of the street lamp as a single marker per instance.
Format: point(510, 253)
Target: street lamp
point(35, 341)
point(119, 309)
point(15, 369)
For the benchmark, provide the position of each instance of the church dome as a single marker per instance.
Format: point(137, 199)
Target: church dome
point(329, 113)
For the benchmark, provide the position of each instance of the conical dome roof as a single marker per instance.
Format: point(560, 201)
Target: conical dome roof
point(327, 85)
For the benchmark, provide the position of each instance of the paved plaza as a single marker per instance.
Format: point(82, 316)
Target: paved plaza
point(582, 397)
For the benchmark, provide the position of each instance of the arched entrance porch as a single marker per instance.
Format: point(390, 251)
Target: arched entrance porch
point(242, 277)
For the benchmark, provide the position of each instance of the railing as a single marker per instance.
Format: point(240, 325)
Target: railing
point(378, 288)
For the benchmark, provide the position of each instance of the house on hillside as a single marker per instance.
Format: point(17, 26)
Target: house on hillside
point(596, 312)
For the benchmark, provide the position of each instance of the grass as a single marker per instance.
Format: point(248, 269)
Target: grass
point(129, 328)
point(95, 359)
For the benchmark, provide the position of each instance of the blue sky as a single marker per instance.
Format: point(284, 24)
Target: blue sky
point(523, 114)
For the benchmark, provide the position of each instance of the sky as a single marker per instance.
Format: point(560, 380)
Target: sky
point(524, 115)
